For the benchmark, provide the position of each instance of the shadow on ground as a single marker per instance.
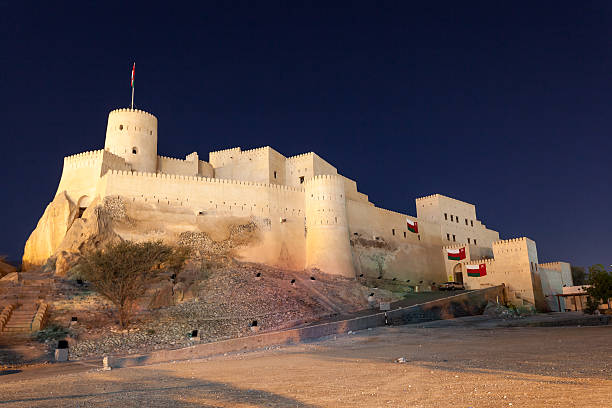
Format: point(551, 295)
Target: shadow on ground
point(131, 388)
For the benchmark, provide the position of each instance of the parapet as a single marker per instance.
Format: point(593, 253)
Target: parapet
point(131, 110)
point(199, 179)
point(84, 155)
point(510, 241)
point(488, 261)
point(322, 178)
point(300, 156)
point(427, 197)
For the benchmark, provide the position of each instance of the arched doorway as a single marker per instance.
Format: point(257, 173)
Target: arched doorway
point(457, 273)
point(82, 204)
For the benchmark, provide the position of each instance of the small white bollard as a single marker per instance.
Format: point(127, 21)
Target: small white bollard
point(105, 364)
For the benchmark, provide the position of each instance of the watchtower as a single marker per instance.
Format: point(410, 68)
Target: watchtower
point(327, 235)
point(132, 134)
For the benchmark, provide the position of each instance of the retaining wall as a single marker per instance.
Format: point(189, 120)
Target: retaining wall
point(465, 304)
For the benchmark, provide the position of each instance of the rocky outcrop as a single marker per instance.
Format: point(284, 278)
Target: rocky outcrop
point(60, 237)
point(92, 231)
point(6, 268)
point(50, 231)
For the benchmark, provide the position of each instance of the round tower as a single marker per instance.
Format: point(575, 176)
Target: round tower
point(132, 134)
point(327, 235)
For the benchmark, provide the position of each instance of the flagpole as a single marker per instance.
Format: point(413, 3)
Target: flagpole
point(133, 69)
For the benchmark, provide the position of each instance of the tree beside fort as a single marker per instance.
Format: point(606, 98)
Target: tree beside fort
point(600, 287)
point(123, 270)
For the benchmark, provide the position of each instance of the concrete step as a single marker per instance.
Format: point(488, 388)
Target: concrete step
point(16, 329)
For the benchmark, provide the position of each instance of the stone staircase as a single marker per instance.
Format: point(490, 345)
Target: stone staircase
point(23, 303)
point(21, 318)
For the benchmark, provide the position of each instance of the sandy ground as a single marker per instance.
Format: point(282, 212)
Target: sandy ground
point(459, 364)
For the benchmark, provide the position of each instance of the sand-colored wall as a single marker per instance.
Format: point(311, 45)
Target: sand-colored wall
point(564, 268)
point(513, 265)
point(170, 165)
point(282, 243)
point(406, 255)
point(249, 165)
point(82, 171)
point(457, 220)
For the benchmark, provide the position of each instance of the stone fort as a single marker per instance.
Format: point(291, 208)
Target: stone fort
point(307, 215)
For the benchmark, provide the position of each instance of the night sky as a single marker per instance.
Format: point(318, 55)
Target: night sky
point(507, 106)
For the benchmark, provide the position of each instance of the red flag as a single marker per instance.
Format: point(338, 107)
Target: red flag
point(133, 71)
point(479, 270)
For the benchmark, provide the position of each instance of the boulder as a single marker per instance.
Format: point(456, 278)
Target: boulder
point(64, 262)
point(163, 296)
point(50, 231)
point(179, 292)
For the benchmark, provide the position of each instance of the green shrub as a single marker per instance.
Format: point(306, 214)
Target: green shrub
point(52, 332)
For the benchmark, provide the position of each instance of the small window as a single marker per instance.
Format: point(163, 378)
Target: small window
point(457, 219)
point(454, 239)
point(301, 179)
point(451, 217)
point(445, 215)
point(150, 132)
point(419, 237)
point(393, 231)
point(468, 240)
point(404, 234)
point(134, 150)
point(472, 222)
point(120, 127)
point(474, 241)
point(447, 236)
point(275, 174)
point(466, 221)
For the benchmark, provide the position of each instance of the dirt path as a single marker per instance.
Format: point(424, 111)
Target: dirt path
point(458, 366)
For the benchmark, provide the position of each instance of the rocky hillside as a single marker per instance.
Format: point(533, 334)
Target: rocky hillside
point(231, 301)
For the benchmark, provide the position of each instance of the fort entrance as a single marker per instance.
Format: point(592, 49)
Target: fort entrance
point(457, 273)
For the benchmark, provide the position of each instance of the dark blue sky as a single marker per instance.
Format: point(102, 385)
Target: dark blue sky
point(504, 106)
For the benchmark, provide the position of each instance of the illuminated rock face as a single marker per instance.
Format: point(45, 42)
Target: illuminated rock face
point(305, 215)
point(50, 230)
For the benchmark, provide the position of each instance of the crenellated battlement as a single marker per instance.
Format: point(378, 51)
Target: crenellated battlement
point(199, 179)
point(131, 110)
point(192, 156)
point(325, 177)
point(488, 261)
point(427, 197)
point(176, 159)
point(509, 241)
point(300, 156)
point(84, 156)
point(226, 151)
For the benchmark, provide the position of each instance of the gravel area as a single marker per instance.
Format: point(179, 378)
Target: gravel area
point(458, 366)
